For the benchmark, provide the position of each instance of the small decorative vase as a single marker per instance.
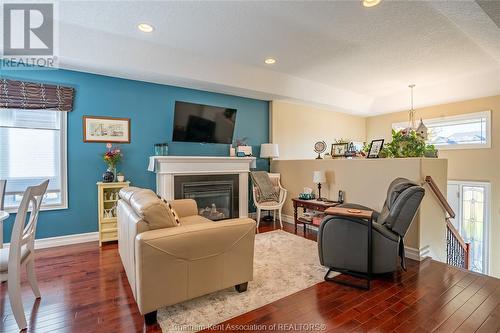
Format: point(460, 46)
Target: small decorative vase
point(120, 178)
point(108, 176)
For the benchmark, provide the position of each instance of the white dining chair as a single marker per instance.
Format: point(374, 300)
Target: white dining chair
point(272, 206)
point(3, 183)
point(21, 251)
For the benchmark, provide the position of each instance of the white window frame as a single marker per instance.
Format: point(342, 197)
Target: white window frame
point(64, 171)
point(487, 220)
point(466, 116)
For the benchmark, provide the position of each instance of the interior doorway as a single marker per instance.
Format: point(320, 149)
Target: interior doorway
point(471, 202)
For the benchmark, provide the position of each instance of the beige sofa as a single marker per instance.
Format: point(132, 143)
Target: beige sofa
point(168, 263)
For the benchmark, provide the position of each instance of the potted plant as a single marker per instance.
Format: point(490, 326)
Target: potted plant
point(111, 158)
point(405, 143)
point(408, 143)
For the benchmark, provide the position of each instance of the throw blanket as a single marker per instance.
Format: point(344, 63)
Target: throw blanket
point(265, 187)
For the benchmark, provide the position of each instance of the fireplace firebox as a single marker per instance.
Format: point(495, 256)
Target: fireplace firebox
point(217, 196)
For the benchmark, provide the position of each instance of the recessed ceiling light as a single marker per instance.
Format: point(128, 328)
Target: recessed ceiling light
point(371, 3)
point(270, 61)
point(144, 27)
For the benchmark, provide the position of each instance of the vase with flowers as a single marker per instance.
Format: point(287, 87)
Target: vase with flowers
point(111, 158)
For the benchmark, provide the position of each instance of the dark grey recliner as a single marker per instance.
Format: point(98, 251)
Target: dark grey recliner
point(342, 241)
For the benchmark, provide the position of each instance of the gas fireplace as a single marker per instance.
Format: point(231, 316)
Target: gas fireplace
point(217, 196)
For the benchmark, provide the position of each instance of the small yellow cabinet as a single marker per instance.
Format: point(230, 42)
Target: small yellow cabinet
point(107, 194)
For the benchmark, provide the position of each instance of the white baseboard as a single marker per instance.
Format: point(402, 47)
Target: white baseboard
point(417, 254)
point(286, 218)
point(44, 243)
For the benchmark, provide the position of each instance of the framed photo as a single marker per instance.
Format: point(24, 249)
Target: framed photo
point(106, 129)
point(339, 149)
point(351, 150)
point(375, 148)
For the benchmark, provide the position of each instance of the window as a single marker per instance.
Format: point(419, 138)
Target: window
point(33, 148)
point(467, 131)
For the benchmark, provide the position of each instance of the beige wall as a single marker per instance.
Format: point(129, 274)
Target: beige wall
point(295, 128)
point(475, 165)
point(365, 182)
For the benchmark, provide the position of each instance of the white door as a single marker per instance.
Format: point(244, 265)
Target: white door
point(454, 201)
point(471, 203)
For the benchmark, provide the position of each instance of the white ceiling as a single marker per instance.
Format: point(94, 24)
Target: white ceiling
point(335, 54)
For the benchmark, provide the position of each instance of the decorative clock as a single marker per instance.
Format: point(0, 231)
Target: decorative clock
point(319, 147)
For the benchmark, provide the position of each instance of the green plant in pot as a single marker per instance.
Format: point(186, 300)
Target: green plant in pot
point(111, 158)
point(407, 143)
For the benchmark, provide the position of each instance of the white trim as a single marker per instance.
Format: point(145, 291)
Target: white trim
point(417, 254)
point(167, 168)
point(465, 116)
point(64, 165)
point(13, 210)
point(44, 243)
point(288, 219)
point(64, 171)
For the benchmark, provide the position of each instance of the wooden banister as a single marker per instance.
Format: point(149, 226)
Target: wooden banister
point(455, 233)
point(442, 200)
point(467, 256)
point(460, 258)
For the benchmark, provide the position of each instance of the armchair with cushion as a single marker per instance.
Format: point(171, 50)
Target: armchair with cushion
point(342, 241)
point(168, 262)
point(273, 204)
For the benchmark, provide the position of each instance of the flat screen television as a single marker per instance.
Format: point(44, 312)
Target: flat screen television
point(203, 123)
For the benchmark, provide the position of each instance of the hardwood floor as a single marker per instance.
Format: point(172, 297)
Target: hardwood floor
point(84, 289)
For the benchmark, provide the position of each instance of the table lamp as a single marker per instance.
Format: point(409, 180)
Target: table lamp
point(269, 151)
point(318, 178)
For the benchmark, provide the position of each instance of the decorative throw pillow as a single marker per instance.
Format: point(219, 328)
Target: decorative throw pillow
point(172, 211)
point(152, 210)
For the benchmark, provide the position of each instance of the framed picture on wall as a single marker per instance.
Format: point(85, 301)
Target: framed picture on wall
point(106, 129)
point(375, 148)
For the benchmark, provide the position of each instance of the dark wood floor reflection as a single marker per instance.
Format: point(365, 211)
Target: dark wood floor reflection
point(84, 289)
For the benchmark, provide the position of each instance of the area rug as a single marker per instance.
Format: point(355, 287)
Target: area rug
point(284, 263)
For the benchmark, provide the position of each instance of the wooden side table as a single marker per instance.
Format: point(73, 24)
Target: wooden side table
point(360, 214)
point(107, 194)
point(320, 206)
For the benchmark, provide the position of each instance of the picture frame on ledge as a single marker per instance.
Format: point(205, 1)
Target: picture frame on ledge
point(375, 148)
point(339, 149)
point(351, 151)
point(106, 129)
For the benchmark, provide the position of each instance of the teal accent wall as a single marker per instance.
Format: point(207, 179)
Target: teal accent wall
point(150, 107)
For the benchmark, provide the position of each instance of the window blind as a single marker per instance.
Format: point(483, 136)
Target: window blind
point(35, 96)
point(31, 151)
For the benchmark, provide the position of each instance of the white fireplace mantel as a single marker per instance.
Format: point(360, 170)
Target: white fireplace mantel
point(167, 167)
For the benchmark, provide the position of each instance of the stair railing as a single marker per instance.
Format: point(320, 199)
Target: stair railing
point(457, 250)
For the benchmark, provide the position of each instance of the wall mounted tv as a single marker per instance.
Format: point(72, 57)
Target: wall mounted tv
point(203, 123)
